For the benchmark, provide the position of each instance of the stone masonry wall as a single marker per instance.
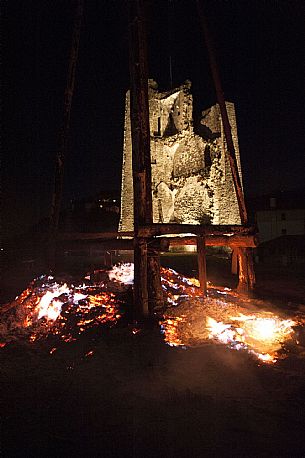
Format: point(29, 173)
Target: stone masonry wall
point(191, 177)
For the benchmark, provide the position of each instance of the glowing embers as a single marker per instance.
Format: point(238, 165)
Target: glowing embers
point(48, 308)
point(266, 329)
point(170, 330)
point(223, 317)
point(64, 312)
point(92, 310)
point(50, 305)
point(122, 273)
point(176, 286)
point(262, 334)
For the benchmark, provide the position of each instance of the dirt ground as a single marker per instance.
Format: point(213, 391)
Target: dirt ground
point(137, 397)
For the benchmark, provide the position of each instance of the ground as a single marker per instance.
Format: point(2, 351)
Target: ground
point(135, 396)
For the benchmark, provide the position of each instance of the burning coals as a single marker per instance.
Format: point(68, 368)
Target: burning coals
point(47, 308)
point(50, 308)
point(225, 318)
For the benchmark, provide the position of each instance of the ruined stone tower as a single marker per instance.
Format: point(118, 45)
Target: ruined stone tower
point(191, 176)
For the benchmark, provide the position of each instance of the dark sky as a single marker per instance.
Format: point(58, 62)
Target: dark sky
point(260, 50)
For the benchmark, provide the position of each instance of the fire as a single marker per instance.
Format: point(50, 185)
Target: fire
point(257, 333)
point(49, 305)
point(266, 329)
point(48, 308)
point(221, 331)
point(123, 273)
point(222, 317)
point(89, 353)
point(64, 312)
point(84, 311)
point(261, 337)
point(171, 332)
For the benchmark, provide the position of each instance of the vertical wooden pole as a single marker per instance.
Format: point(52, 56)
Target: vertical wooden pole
point(108, 258)
point(140, 135)
point(246, 278)
point(202, 272)
point(140, 290)
point(62, 152)
point(155, 292)
point(234, 262)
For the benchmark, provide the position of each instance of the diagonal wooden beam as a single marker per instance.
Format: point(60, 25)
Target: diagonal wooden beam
point(64, 135)
point(224, 115)
point(245, 255)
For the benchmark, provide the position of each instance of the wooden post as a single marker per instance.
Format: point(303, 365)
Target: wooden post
point(246, 278)
point(140, 136)
point(234, 262)
point(63, 148)
point(202, 274)
point(140, 291)
point(108, 258)
point(155, 292)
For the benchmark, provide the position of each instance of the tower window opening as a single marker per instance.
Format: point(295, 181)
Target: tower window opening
point(159, 126)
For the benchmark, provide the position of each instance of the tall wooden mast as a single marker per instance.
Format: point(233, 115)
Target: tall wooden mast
point(140, 136)
point(63, 147)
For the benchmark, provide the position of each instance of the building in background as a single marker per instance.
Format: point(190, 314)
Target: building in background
point(280, 215)
point(280, 219)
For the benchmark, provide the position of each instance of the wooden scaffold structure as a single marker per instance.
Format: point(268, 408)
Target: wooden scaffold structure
point(147, 241)
point(147, 284)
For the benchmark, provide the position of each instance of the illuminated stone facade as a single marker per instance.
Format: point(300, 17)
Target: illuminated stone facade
point(191, 176)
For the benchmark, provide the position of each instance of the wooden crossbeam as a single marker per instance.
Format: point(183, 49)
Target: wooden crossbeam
point(236, 240)
point(117, 244)
point(154, 230)
point(92, 235)
point(197, 229)
point(110, 241)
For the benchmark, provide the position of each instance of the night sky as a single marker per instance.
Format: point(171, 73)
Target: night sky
point(260, 51)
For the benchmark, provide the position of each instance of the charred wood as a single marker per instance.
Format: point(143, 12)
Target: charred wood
point(202, 270)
